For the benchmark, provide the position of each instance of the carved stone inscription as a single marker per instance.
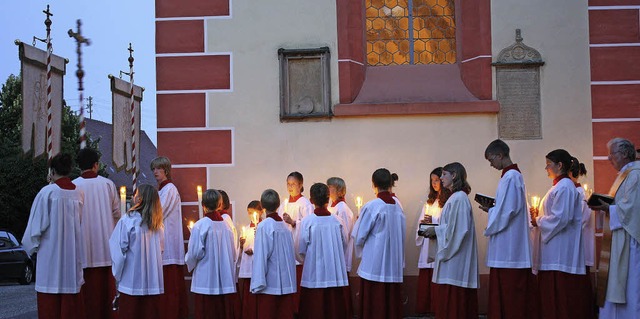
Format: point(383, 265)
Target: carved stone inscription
point(305, 86)
point(518, 90)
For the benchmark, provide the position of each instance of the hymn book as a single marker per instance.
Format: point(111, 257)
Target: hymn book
point(594, 199)
point(484, 200)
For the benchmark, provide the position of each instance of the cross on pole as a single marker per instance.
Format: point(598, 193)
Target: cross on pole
point(80, 74)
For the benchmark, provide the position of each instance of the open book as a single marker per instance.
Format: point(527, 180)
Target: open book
point(484, 200)
point(594, 199)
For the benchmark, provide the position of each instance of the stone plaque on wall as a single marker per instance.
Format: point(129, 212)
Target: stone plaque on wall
point(304, 83)
point(518, 91)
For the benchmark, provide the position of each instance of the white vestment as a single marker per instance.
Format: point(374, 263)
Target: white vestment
point(508, 225)
point(435, 212)
point(246, 261)
point(212, 258)
point(322, 243)
point(53, 231)
point(100, 213)
point(346, 218)
point(588, 230)
point(274, 266)
point(136, 254)
point(173, 237)
point(457, 258)
point(297, 210)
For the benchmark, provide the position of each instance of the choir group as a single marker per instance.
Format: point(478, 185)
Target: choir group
point(95, 261)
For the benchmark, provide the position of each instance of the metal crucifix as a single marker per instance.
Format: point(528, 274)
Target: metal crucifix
point(80, 39)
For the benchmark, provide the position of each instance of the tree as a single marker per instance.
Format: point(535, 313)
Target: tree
point(22, 175)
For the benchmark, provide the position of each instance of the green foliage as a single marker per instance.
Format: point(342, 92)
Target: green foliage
point(22, 176)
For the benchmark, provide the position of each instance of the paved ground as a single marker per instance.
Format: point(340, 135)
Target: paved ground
point(18, 301)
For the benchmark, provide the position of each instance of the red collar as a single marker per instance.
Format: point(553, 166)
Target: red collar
point(557, 179)
point(294, 199)
point(386, 197)
point(577, 185)
point(65, 183)
point(274, 216)
point(322, 211)
point(340, 199)
point(510, 167)
point(164, 183)
point(215, 216)
point(254, 225)
point(89, 174)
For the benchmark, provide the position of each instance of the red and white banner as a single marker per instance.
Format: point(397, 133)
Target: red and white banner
point(121, 103)
point(34, 99)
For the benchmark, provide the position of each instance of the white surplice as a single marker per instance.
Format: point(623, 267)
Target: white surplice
point(297, 210)
point(322, 244)
point(53, 231)
point(557, 241)
point(173, 237)
point(457, 257)
point(274, 266)
point(246, 261)
point(423, 243)
point(136, 254)
point(588, 230)
point(211, 255)
point(378, 238)
point(508, 225)
point(100, 213)
point(346, 218)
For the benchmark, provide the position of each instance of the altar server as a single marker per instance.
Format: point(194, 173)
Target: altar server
point(558, 253)
point(322, 244)
point(379, 235)
point(174, 299)
point(54, 232)
point(249, 304)
point(456, 262)
point(100, 214)
point(512, 287)
point(211, 256)
point(273, 278)
point(136, 252)
point(588, 217)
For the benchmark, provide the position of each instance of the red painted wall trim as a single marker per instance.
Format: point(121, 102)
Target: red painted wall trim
point(191, 8)
point(197, 147)
point(180, 36)
point(207, 72)
point(426, 108)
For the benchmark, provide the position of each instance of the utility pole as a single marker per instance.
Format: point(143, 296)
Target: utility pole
point(90, 107)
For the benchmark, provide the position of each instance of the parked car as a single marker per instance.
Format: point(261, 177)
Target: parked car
point(15, 263)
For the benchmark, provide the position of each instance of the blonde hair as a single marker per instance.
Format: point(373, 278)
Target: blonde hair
point(164, 163)
point(339, 184)
point(149, 207)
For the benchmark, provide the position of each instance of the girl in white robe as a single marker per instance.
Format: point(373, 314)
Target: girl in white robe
point(136, 246)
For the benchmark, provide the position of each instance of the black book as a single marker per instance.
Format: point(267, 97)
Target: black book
point(484, 200)
point(594, 199)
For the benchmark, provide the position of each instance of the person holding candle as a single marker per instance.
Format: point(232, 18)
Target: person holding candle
point(100, 214)
point(622, 293)
point(425, 294)
point(456, 262)
point(249, 303)
point(378, 236)
point(322, 244)
point(512, 286)
point(211, 255)
point(273, 275)
point(136, 247)
point(292, 211)
point(339, 208)
point(54, 232)
point(558, 251)
point(175, 296)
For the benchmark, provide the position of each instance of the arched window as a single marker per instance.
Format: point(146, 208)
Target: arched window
point(410, 32)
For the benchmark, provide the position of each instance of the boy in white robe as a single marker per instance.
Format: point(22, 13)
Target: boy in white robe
point(273, 278)
point(247, 241)
point(100, 214)
point(54, 232)
point(322, 244)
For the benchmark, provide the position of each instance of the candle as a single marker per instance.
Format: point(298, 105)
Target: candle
point(190, 225)
point(199, 191)
point(123, 199)
point(255, 218)
point(535, 201)
point(286, 205)
point(426, 209)
point(358, 203)
point(244, 232)
point(587, 191)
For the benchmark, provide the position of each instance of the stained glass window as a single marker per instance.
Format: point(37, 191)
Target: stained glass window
point(410, 32)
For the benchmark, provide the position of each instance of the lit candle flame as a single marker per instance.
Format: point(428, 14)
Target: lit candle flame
point(358, 201)
point(255, 218)
point(190, 225)
point(199, 192)
point(123, 199)
point(426, 209)
point(535, 201)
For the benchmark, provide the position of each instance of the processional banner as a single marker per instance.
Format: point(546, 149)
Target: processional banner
point(121, 103)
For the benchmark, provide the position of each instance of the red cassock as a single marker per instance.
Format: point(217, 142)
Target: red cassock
point(274, 306)
point(453, 302)
point(61, 306)
point(320, 303)
point(381, 300)
point(135, 307)
point(99, 289)
point(424, 295)
point(249, 302)
point(174, 300)
point(216, 306)
point(564, 295)
point(513, 293)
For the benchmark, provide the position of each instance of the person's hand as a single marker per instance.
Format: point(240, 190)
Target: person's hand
point(242, 241)
point(427, 219)
point(533, 212)
point(430, 232)
point(287, 219)
point(603, 207)
point(249, 251)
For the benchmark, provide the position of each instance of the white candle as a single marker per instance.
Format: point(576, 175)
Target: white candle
point(199, 191)
point(255, 218)
point(123, 199)
point(535, 201)
point(426, 209)
point(358, 203)
point(244, 232)
point(190, 225)
point(286, 205)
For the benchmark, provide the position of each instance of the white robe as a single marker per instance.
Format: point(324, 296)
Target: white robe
point(212, 258)
point(435, 212)
point(297, 211)
point(346, 218)
point(508, 225)
point(100, 213)
point(322, 243)
point(274, 266)
point(588, 230)
point(623, 289)
point(53, 231)
point(378, 236)
point(136, 254)
point(557, 243)
point(457, 257)
point(174, 239)
point(246, 261)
